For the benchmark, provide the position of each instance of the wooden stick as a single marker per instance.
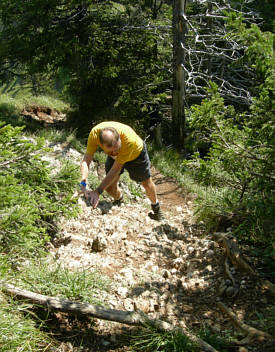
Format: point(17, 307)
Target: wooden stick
point(124, 317)
point(248, 330)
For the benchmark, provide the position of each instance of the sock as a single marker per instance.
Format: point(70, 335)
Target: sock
point(155, 206)
point(121, 197)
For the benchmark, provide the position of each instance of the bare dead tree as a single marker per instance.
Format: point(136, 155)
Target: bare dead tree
point(204, 51)
point(211, 53)
point(179, 29)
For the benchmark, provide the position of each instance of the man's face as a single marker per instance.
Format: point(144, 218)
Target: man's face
point(114, 149)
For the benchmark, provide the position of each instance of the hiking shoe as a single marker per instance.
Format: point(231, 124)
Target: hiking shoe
point(157, 216)
point(118, 202)
point(157, 213)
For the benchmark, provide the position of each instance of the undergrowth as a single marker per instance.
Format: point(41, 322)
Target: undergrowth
point(148, 340)
point(47, 277)
point(20, 332)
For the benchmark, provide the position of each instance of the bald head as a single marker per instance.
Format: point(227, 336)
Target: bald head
point(109, 137)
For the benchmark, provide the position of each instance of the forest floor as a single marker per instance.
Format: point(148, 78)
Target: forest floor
point(171, 270)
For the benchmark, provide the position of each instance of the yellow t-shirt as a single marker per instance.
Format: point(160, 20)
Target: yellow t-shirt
point(131, 143)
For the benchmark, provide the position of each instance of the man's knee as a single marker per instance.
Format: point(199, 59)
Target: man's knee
point(113, 187)
point(148, 183)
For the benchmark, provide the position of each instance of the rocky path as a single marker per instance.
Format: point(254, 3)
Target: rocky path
point(170, 270)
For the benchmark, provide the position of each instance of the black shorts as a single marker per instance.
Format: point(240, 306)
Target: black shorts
point(139, 168)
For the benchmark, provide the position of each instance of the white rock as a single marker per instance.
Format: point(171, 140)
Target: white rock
point(210, 253)
point(178, 262)
point(155, 269)
point(190, 249)
point(127, 273)
point(128, 304)
point(122, 291)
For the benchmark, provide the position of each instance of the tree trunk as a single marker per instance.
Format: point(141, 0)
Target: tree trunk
point(179, 30)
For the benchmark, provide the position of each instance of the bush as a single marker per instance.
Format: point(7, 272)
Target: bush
point(239, 163)
point(31, 197)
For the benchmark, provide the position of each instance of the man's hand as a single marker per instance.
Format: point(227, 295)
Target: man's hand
point(92, 197)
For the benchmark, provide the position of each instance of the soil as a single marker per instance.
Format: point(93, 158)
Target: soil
point(172, 270)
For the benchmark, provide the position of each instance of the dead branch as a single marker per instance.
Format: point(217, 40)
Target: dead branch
point(227, 271)
point(250, 332)
point(125, 317)
point(233, 253)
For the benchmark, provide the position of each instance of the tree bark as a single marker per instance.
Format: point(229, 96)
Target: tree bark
point(125, 317)
point(246, 329)
point(178, 115)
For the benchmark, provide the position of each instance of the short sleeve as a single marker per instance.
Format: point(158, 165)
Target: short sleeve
point(92, 143)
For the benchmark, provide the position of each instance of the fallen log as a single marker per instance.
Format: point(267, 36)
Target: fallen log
point(125, 317)
point(249, 332)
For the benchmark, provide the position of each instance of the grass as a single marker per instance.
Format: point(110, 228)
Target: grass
point(21, 94)
point(15, 96)
point(16, 104)
point(149, 340)
point(170, 164)
point(21, 328)
point(19, 331)
point(68, 137)
point(219, 342)
point(265, 320)
point(45, 276)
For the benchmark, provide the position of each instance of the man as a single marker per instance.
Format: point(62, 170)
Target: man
point(125, 150)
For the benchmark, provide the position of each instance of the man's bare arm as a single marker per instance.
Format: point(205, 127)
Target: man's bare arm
point(84, 168)
point(111, 176)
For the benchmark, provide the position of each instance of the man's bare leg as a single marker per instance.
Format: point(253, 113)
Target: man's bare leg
point(150, 190)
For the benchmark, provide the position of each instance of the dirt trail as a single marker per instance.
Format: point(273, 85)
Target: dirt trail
point(171, 270)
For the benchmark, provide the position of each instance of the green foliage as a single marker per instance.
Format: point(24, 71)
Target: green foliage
point(221, 343)
point(148, 340)
point(266, 319)
point(259, 52)
point(267, 10)
point(239, 162)
point(10, 110)
point(31, 197)
point(169, 163)
point(233, 153)
point(104, 55)
point(17, 98)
